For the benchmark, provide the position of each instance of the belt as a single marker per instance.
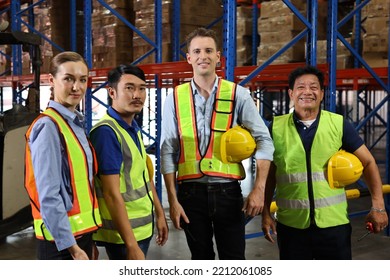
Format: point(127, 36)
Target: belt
point(209, 186)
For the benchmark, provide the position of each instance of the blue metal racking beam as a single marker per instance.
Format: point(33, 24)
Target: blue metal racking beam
point(16, 49)
point(158, 107)
point(88, 58)
point(229, 37)
point(255, 39)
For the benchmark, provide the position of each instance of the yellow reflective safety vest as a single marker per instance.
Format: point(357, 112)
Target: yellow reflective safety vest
point(191, 164)
point(134, 187)
point(84, 216)
point(293, 173)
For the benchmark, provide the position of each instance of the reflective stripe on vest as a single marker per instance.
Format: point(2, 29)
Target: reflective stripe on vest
point(300, 177)
point(84, 217)
point(191, 164)
point(134, 188)
point(292, 195)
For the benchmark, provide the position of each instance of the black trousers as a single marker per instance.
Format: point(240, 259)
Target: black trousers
point(47, 250)
point(314, 243)
point(214, 210)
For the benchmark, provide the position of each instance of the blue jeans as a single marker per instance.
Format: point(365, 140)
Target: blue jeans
point(118, 251)
point(214, 210)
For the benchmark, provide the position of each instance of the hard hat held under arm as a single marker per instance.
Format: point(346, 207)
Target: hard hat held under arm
point(343, 169)
point(237, 144)
point(191, 164)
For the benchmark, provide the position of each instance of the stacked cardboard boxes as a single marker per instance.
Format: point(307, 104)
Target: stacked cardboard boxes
point(245, 38)
point(112, 38)
point(51, 18)
point(278, 25)
point(344, 58)
point(375, 23)
point(43, 24)
point(193, 14)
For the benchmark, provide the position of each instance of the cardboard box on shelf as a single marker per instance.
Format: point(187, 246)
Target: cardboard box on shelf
point(127, 4)
point(185, 29)
point(277, 36)
point(376, 25)
point(192, 15)
point(211, 8)
point(109, 18)
point(277, 16)
point(376, 59)
point(341, 49)
point(144, 4)
point(244, 26)
point(112, 39)
point(343, 61)
point(245, 12)
point(278, 8)
point(45, 68)
point(139, 51)
point(278, 23)
point(375, 43)
point(243, 56)
point(105, 57)
point(188, 15)
point(202, 8)
point(376, 8)
point(293, 54)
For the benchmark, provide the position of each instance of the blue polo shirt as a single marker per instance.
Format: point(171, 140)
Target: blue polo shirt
point(107, 147)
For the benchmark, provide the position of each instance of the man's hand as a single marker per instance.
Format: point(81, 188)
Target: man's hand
point(162, 231)
point(268, 225)
point(176, 212)
point(378, 219)
point(254, 203)
point(135, 253)
point(77, 253)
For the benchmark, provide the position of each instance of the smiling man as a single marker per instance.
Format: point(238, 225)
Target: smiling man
point(208, 201)
point(312, 217)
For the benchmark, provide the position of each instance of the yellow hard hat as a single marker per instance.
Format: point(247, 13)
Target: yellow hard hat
point(149, 164)
point(237, 144)
point(343, 169)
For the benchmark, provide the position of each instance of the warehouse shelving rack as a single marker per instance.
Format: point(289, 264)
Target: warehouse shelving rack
point(261, 79)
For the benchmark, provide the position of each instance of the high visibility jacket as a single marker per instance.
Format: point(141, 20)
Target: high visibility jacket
point(84, 216)
point(191, 164)
point(134, 187)
point(293, 173)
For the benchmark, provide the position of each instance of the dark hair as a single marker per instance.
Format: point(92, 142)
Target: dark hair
point(201, 32)
point(115, 74)
point(64, 57)
point(298, 72)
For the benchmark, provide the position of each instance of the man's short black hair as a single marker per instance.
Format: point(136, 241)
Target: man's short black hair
point(115, 74)
point(298, 72)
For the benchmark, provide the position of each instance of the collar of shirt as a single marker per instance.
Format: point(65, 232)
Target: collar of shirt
point(195, 89)
point(307, 134)
point(76, 117)
point(134, 128)
point(301, 125)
